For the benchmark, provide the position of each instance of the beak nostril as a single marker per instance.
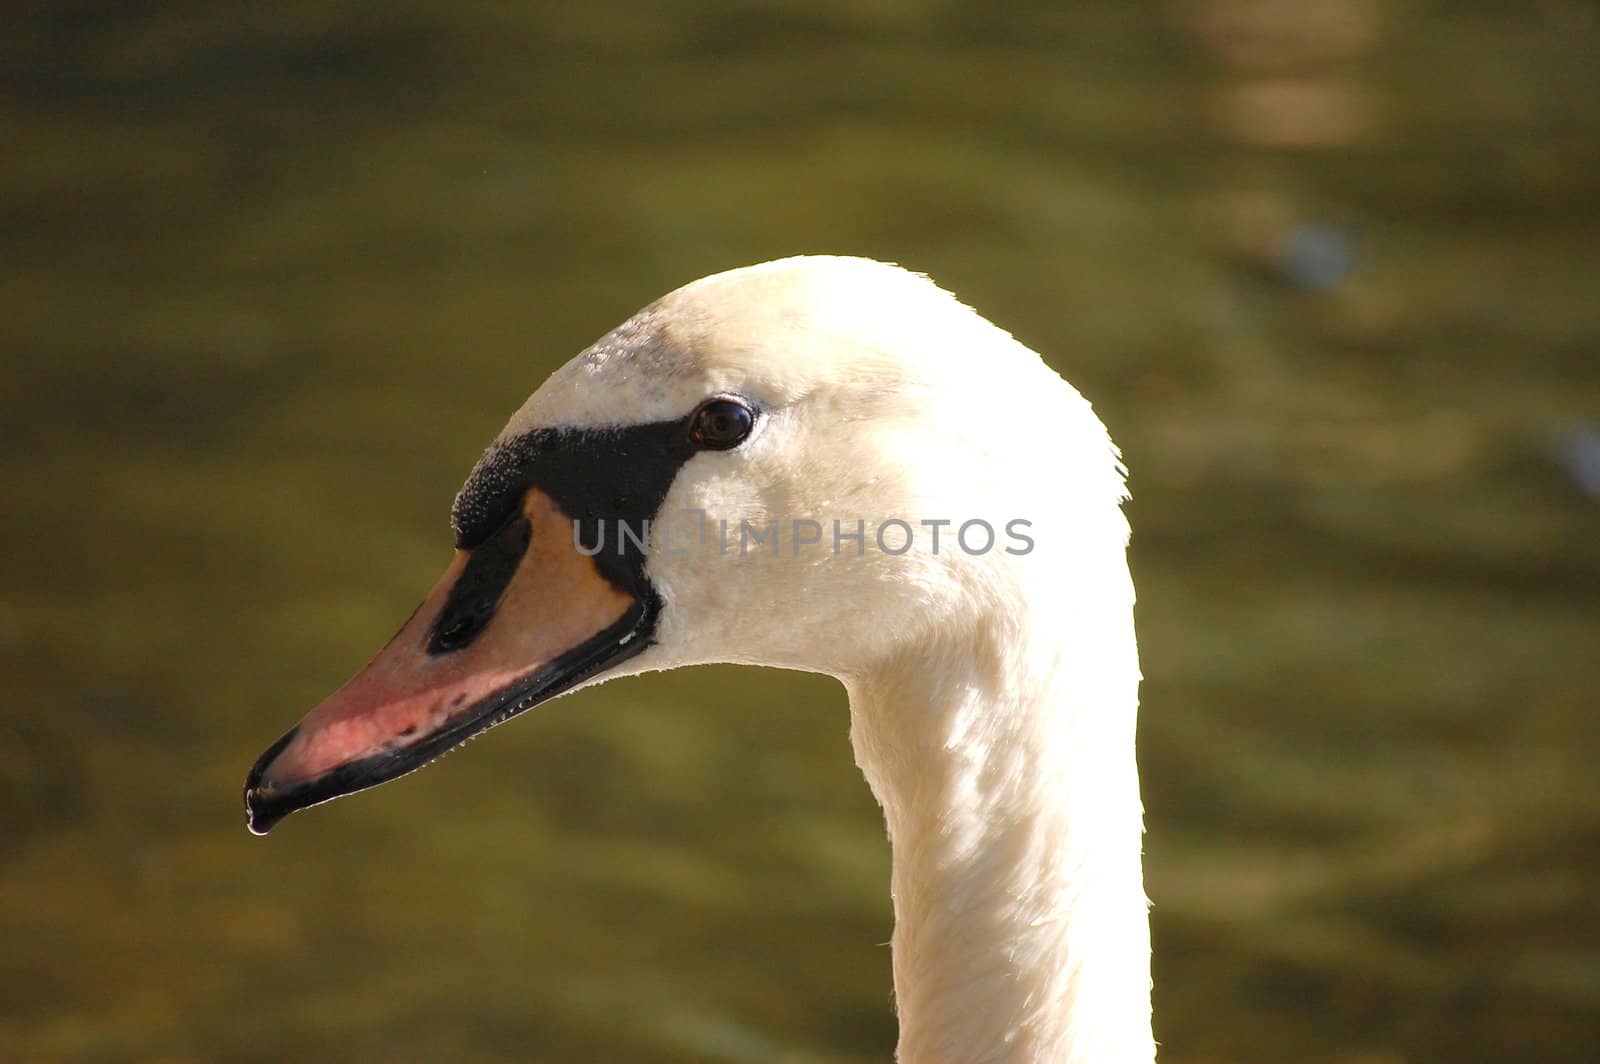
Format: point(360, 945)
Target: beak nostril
point(476, 595)
point(456, 632)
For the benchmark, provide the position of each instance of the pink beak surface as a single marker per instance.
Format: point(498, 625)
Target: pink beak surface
point(517, 620)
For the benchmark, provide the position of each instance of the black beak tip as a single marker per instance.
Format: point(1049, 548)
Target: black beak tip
point(261, 816)
point(264, 808)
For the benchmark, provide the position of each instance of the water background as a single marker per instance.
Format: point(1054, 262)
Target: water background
point(273, 275)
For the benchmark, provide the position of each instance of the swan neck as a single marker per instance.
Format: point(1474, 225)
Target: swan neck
point(1005, 767)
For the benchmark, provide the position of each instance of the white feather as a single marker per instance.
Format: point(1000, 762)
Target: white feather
point(992, 696)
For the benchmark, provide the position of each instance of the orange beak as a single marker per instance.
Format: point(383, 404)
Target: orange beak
point(522, 617)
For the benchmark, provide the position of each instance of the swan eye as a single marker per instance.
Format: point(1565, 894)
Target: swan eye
point(719, 424)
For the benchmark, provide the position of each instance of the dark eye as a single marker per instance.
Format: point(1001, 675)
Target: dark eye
point(719, 424)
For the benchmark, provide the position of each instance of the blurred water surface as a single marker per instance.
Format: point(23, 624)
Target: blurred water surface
point(274, 275)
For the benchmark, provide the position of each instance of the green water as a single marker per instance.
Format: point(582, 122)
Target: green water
point(274, 274)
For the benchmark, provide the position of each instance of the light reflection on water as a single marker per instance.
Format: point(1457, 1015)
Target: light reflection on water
point(277, 274)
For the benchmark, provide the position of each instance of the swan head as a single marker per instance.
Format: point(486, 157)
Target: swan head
point(811, 463)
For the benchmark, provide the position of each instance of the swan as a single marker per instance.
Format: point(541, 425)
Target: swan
point(794, 464)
